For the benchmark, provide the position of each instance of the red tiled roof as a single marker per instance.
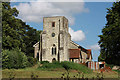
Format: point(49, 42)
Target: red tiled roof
point(74, 53)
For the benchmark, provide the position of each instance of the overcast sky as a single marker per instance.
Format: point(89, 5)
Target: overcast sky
point(86, 19)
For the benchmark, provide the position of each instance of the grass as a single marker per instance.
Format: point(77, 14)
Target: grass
point(26, 73)
point(117, 71)
point(65, 65)
point(55, 70)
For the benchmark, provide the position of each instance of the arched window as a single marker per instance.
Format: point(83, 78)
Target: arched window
point(54, 50)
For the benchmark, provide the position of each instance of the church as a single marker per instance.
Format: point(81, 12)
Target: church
point(56, 45)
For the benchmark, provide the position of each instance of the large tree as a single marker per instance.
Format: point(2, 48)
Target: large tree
point(110, 38)
point(16, 34)
point(31, 38)
point(13, 28)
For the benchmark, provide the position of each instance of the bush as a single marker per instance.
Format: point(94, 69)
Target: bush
point(35, 60)
point(14, 59)
point(44, 62)
point(67, 65)
point(51, 65)
point(31, 61)
point(109, 65)
point(47, 65)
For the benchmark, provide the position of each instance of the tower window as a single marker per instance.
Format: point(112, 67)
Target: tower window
point(53, 24)
point(53, 50)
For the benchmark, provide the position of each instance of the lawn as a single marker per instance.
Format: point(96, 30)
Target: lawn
point(54, 73)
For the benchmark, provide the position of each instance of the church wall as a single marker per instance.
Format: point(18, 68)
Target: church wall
point(66, 55)
point(48, 40)
point(61, 40)
point(76, 60)
point(61, 51)
point(72, 46)
point(36, 50)
point(84, 56)
point(90, 59)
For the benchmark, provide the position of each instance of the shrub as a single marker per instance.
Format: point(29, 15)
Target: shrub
point(44, 62)
point(35, 60)
point(67, 65)
point(56, 62)
point(31, 61)
point(53, 65)
point(109, 65)
point(79, 67)
point(50, 65)
point(14, 59)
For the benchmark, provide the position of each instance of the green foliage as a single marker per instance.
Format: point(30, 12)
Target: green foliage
point(11, 75)
point(31, 60)
point(110, 38)
point(47, 65)
point(31, 38)
point(79, 67)
point(16, 34)
point(117, 71)
point(110, 65)
point(12, 28)
point(44, 62)
point(14, 59)
point(33, 76)
point(35, 60)
point(66, 65)
point(5, 59)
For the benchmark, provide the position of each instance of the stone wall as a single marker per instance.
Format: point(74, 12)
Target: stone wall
point(60, 40)
point(72, 46)
point(36, 49)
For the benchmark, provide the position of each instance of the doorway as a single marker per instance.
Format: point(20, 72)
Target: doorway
point(53, 60)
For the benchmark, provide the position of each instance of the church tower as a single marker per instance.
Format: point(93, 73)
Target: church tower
point(55, 39)
point(56, 45)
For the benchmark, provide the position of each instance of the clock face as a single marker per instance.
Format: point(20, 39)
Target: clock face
point(53, 34)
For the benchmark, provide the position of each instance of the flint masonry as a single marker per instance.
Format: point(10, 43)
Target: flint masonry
point(56, 44)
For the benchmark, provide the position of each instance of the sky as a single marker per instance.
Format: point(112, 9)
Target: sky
point(86, 19)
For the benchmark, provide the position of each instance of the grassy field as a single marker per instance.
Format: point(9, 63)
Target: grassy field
point(56, 73)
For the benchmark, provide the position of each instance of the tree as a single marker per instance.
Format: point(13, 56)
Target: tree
point(32, 37)
point(16, 34)
point(13, 28)
point(14, 59)
point(110, 38)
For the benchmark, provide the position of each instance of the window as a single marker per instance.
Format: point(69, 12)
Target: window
point(53, 34)
point(53, 50)
point(53, 24)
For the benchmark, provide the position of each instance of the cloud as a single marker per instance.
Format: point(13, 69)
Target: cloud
point(35, 11)
point(95, 47)
point(76, 35)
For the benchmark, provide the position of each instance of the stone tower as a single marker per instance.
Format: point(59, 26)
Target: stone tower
point(55, 39)
point(56, 45)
